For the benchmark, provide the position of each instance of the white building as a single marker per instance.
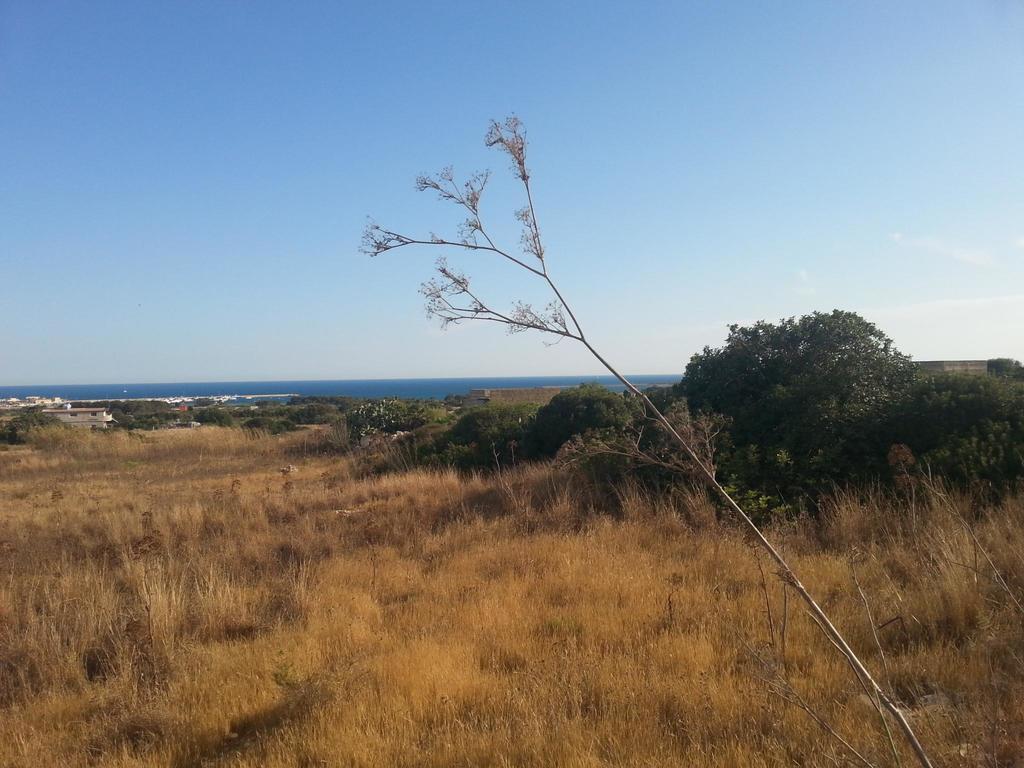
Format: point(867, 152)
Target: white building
point(92, 418)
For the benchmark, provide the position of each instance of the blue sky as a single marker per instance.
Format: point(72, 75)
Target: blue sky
point(183, 185)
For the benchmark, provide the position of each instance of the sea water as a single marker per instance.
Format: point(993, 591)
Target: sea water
point(372, 388)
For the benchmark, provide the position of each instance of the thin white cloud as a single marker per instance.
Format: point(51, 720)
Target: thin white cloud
point(938, 247)
point(1020, 242)
point(804, 285)
point(954, 329)
point(928, 307)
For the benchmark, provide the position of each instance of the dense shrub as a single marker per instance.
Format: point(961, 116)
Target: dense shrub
point(15, 431)
point(314, 413)
point(969, 429)
point(341, 402)
point(575, 412)
point(216, 416)
point(390, 416)
point(807, 399)
point(1006, 367)
point(488, 436)
point(269, 424)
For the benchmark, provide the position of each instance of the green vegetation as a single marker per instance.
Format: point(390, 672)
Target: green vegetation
point(15, 430)
point(315, 413)
point(576, 412)
point(490, 436)
point(219, 417)
point(826, 400)
point(968, 429)
point(806, 400)
point(269, 424)
point(391, 416)
point(788, 411)
point(1006, 367)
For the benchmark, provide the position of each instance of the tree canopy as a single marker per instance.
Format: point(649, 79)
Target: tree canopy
point(806, 398)
point(493, 435)
point(575, 412)
point(1006, 367)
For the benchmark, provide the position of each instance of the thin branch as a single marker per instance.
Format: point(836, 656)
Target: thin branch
point(996, 574)
point(871, 620)
point(377, 240)
point(885, 664)
point(767, 603)
point(780, 686)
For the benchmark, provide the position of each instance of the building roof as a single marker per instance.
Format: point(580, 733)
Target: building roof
point(951, 362)
point(74, 410)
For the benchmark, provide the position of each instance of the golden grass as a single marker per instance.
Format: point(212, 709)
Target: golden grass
point(177, 600)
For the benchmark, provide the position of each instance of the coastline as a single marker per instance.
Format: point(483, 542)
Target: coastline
point(425, 388)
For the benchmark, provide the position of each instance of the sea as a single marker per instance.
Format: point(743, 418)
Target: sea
point(282, 390)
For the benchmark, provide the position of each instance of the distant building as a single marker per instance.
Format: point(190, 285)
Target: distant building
point(966, 367)
point(511, 395)
point(91, 418)
point(32, 401)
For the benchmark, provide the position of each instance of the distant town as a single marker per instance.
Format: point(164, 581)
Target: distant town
point(35, 401)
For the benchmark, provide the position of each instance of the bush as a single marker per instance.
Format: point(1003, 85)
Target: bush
point(314, 413)
point(486, 436)
point(390, 416)
point(342, 402)
point(1006, 367)
point(808, 401)
point(16, 430)
point(969, 429)
point(269, 424)
point(216, 416)
point(576, 412)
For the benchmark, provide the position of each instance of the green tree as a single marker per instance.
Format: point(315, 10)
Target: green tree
point(216, 416)
point(1006, 367)
point(487, 436)
point(807, 400)
point(576, 411)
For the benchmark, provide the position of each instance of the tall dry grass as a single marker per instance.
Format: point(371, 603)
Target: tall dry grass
point(179, 600)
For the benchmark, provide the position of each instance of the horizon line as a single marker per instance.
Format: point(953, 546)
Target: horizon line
point(369, 378)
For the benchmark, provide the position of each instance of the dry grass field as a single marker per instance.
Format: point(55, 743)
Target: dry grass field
point(177, 599)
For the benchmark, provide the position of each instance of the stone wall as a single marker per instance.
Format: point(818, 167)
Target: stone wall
point(511, 395)
point(968, 367)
